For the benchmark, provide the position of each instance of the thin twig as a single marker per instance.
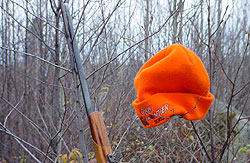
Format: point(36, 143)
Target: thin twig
point(239, 119)
point(37, 16)
point(36, 79)
point(37, 57)
point(198, 33)
point(244, 86)
point(52, 7)
point(228, 78)
point(111, 60)
point(181, 115)
point(203, 146)
point(229, 115)
point(21, 141)
point(103, 27)
point(195, 104)
point(85, 6)
point(185, 148)
point(211, 134)
point(243, 58)
point(220, 22)
point(124, 134)
point(151, 142)
point(27, 118)
point(40, 39)
point(62, 122)
point(6, 118)
point(139, 45)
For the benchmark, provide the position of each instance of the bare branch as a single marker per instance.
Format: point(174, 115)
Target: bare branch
point(202, 144)
point(6, 118)
point(83, 12)
point(27, 118)
point(37, 16)
point(220, 22)
point(40, 39)
point(21, 141)
point(139, 45)
point(243, 58)
point(228, 78)
point(124, 134)
point(244, 86)
point(111, 60)
point(103, 27)
point(37, 57)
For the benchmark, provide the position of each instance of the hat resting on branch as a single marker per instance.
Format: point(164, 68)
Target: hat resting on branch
point(173, 82)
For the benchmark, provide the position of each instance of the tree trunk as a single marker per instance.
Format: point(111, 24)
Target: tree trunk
point(146, 26)
point(56, 95)
point(174, 23)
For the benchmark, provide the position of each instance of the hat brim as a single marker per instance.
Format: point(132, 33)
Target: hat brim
point(160, 107)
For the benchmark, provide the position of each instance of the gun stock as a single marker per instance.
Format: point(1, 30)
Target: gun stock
point(99, 136)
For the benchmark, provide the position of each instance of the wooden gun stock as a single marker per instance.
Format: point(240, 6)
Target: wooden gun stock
point(100, 138)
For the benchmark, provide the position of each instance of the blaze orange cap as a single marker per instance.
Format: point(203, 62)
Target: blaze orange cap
point(173, 82)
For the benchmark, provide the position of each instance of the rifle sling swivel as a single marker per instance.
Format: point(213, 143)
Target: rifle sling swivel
point(111, 159)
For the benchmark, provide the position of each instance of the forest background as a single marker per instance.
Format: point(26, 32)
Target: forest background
point(39, 113)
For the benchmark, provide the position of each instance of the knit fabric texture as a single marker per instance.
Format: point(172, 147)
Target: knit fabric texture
point(173, 82)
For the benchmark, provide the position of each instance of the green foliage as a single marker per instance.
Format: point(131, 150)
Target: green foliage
point(245, 150)
point(22, 159)
point(150, 147)
point(105, 88)
point(75, 156)
point(91, 155)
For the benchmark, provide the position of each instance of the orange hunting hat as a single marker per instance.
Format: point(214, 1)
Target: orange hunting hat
point(173, 82)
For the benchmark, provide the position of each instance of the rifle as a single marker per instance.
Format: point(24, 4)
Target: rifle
point(98, 129)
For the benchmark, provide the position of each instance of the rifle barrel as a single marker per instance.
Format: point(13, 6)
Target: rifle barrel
point(79, 66)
